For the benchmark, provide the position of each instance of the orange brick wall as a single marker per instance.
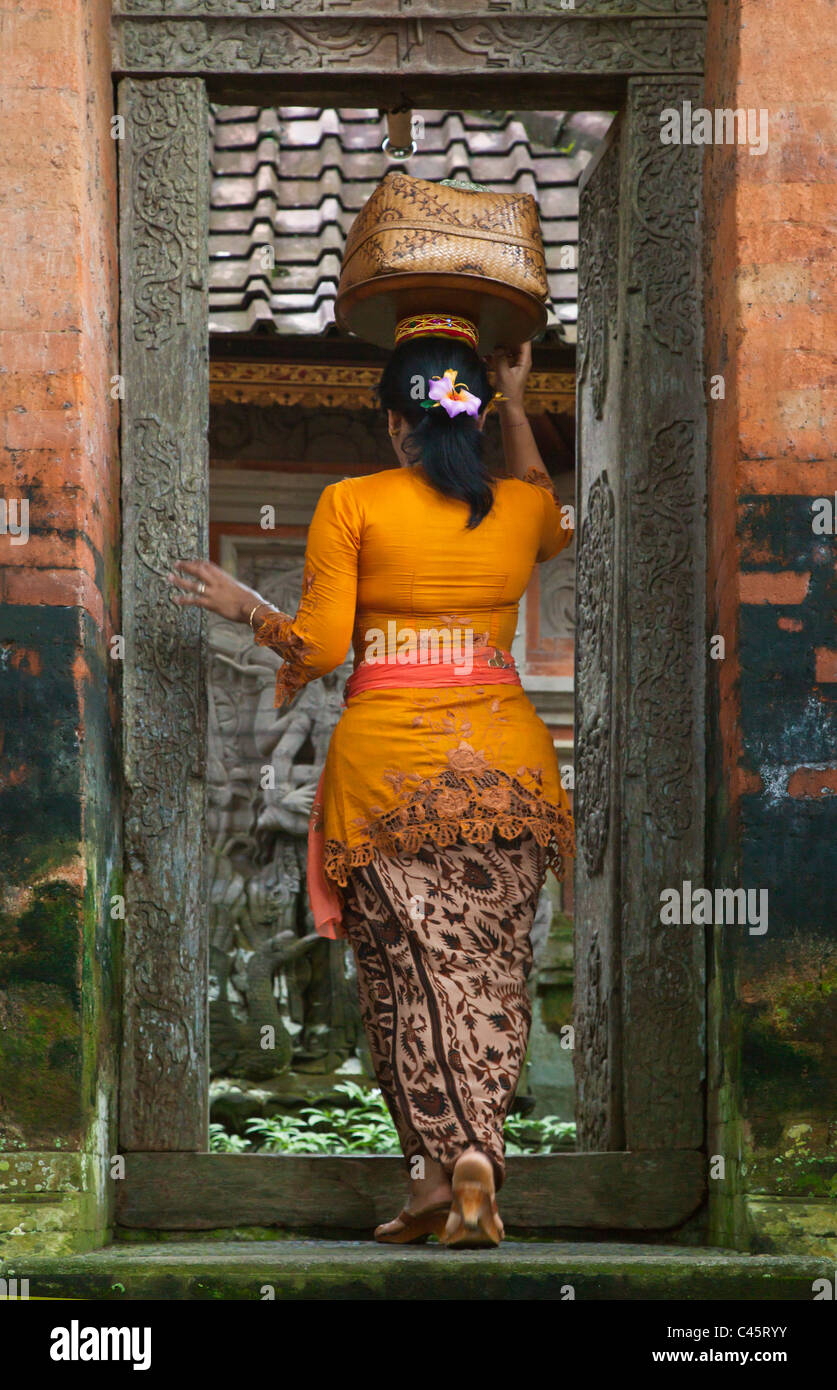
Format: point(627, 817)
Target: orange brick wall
point(58, 300)
point(771, 330)
point(59, 594)
point(771, 297)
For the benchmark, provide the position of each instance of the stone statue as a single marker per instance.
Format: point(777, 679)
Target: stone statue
point(273, 977)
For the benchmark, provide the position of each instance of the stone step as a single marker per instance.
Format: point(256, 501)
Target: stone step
point(296, 1269)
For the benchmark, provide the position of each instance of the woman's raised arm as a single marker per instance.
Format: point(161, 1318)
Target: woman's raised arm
point(523, 457)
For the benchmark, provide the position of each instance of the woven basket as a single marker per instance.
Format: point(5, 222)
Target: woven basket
point(421, 247)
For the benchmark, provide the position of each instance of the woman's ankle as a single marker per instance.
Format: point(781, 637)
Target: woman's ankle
point(488, 1158)
point(429, 1186)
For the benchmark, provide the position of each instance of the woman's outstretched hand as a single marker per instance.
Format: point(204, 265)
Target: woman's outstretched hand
point(511, 368)
point(220, 594)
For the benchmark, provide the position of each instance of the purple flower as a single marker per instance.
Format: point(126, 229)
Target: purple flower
point(444, 391)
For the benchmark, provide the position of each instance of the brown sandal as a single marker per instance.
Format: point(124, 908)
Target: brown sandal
point(414, 1227)
point(474, 1220)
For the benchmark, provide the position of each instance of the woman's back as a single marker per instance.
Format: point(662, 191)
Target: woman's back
point(424, 756)
point(420, 566)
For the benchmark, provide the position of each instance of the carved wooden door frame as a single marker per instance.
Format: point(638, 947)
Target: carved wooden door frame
point(640, 635)
point(640, 350)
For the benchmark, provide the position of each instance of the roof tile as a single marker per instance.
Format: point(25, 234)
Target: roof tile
point(294, 177)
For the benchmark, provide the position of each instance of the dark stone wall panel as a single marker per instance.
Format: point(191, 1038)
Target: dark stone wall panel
point(59, 843)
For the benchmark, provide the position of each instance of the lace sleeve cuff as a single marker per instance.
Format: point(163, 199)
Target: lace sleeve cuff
point(275, 630)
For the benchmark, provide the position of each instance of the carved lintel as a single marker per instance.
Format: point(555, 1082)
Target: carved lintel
point(212, 41)
point(409, 9)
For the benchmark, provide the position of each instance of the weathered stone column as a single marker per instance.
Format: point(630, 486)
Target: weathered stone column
point(164, 199)
point(641, 649)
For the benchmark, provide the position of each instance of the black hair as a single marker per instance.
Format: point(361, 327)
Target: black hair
point(448, 449)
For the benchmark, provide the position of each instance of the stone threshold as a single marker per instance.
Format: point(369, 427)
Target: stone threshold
point(336, 1270)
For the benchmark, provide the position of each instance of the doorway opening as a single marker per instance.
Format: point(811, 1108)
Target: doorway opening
point(292, 408)
point(639, 993)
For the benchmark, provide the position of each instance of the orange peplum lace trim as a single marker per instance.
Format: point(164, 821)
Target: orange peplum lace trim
point(453, 804)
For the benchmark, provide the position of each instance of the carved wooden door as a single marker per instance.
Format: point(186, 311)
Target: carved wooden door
point(639, 1045)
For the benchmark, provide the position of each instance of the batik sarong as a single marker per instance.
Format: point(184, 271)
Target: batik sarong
point(442, 944)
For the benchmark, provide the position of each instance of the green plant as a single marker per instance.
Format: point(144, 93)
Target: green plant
point(362, 1124)
point(220, 1142)
point(544, 1136)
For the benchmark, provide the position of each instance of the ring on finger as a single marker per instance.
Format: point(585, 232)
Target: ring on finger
point(201, 587)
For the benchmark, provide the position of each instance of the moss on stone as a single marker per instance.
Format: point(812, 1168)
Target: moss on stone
point(40, 1053)
point(777, 1225)
point(44, 942)
point(359, 1270)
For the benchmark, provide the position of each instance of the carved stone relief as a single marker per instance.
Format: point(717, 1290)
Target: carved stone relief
point(415, 9)
point(665, 519)
point(168, 129)
point(593, 1078)
point(663, 789)
point(269, 968)
point(544, 45)
point(662, 260)
point(557, 594)
point(525, 43)
point(598, 272)
point(661, 697)
point(164, 195)
point(164, 755)
point(594, 674)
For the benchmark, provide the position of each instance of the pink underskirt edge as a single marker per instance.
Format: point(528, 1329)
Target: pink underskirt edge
point(323, 894)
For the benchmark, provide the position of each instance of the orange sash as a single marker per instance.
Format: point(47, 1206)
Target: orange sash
point(489, 666)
